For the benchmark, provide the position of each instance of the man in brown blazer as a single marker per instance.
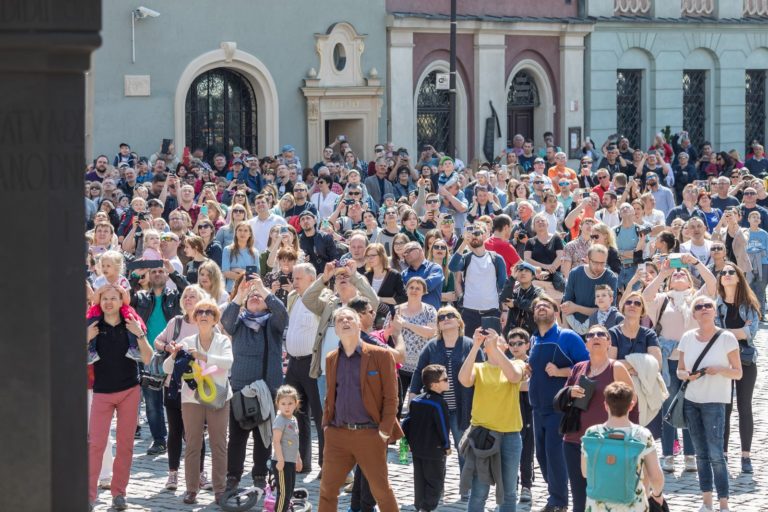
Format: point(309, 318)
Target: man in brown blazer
point(359, 418)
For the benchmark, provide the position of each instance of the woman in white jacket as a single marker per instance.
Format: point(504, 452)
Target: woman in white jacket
point(208, 349)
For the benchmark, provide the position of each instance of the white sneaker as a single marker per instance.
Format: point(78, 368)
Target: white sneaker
point(205, 484)
point(690, 463)
point(706, 508)
point(668, 464)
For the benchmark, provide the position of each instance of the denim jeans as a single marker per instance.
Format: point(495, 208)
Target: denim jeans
point(153, 402)
point(456, 433)
point(321, 389)
point(511, 448)
point(706, 423)
point(668, 432)
point(625, 274)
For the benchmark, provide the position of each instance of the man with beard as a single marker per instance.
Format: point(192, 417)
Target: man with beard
point(484, 276)
point(553, 352)
point(99, 171)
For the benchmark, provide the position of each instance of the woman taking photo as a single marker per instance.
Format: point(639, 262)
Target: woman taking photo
point(417, 322)
point(545, 250)
point(385, 281)
point(450, 348)
point(602, 370)
point(255, 319)
point(738, 311)
point(708, 392)
point(211, 280)
point(178, 328)
point(440, 254)
point(194, 249)
point(239, 255)
point(672, 315)
point(208, 348)
point(237, 214)
point(115, 388)
point(212, 248)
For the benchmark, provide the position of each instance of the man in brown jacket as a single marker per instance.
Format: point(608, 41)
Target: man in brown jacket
point(359, 418)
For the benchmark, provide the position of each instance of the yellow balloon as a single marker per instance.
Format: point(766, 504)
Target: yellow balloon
point(206, 388)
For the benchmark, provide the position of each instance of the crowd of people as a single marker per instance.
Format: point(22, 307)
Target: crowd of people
point(500, 310)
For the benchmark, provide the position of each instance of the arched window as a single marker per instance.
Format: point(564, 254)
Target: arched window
point(522, 98)
point(432, 114)
point(221, 113)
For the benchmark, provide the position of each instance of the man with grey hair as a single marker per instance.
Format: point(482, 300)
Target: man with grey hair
point(378, 185)
point(419, 266)
point(357, 242)
point(721, 198)
point(299, 342)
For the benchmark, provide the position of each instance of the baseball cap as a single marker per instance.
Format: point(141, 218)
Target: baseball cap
point(523, 265)
point(446, 158)
point(287, 147)
point(307, 213)
point(237, 161)
point(237, 149)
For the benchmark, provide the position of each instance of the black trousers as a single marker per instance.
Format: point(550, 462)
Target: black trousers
point(529, 444)
point(362, 499)
point(473, 318)
point(297, 376)
point(744, 390)
point(285, 481)
point(176, 435)
point(238, 441)
point(428, 481)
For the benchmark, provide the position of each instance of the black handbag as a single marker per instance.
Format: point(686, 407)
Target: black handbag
point(653, 505)
point(747, 353)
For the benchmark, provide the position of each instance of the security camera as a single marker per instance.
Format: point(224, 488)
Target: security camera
point(145, 12)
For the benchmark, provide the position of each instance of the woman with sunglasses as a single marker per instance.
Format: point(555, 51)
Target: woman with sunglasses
point(601, 369)
point(440, 254)
point(672, 316)
point(449, 348)
point(207, 232)
point(385, 281)
point(545, 250)
point(708, 392)
point(603, 235)
point(718, 258)
point(738, 311)
point(324, 199)
point(212, 349)
point(237, 214)
point(255, 319)
point(447, 227)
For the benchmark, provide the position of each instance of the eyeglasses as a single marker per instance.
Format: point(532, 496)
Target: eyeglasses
point(703, 305)
point(446, 316)
point(596, 334)
point(205, 312)
point(728, 273)
point(516, 343)
point(597, 262)
point(371, 255)
point(635, 303)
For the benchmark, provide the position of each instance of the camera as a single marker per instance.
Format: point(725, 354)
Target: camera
point(145, 12)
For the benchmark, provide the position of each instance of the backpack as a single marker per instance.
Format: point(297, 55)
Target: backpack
point(612, 464)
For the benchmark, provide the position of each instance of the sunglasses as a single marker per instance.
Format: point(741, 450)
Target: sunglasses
point(728, 273)
point(433, 201)
point(446, 316)
point(717, 249)
point(596, 334)
point(439, 247)
point(442, 379)
point(635, 303)
point(703, 306)
point(594, 237)
point(516, 343)
point(750, 193)
point(602, 177)
point(538, 182)
point(241, 212)
point(205, 226)
point(205, 312)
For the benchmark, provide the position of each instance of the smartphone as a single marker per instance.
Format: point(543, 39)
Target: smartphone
point(490, 322)
point(662, 258)
point(204, 210)
point(675, 261)
point(283, 280)
point(283, 230)
point(325, 223)
point(250, 269)
point(702, 184)
point(342, 138)
point(166, 146)
point(349, 202)
point(141, 264)
point(585, 195)
point(641, 267)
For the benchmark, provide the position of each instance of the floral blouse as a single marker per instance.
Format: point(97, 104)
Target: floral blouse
point(413, 342)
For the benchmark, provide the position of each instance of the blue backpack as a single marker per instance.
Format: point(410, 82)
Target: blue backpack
point(611, 464)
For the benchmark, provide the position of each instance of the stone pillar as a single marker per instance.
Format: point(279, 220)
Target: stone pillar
point(490, 81)
point(729, 9)
point(402, 108)
point(666, 94)
point(571, 104)
point(667, 9)
point(45, 48)
point(600, 8)
point(729, 105)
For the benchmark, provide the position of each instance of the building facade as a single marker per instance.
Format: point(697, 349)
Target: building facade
point(241, 73)
point(695, 65)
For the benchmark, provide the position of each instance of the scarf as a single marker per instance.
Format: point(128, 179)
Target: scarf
point(682, 301)
point(254, 321)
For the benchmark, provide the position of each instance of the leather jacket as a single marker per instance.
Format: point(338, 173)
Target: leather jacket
point(144, 301)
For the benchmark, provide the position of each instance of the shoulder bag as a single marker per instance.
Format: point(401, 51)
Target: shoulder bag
point(675, 415)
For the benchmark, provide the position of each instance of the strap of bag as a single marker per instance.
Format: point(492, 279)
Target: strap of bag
point(177, 327)
point(657, 325)
point(706, 349)
point(266, 353)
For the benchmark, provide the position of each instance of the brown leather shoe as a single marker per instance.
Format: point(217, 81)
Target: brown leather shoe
point(190, 498)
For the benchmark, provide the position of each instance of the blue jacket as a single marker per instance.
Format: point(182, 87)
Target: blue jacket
point(747, 314)
point(460, 262)
point(434, 353)
point(561, 347)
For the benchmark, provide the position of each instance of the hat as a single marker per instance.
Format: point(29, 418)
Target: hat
point(237, 161)
point(237, 149)
point(387, 196)
point(287, 147)
point(307, 213)
point(446, 158)
point(523, 265)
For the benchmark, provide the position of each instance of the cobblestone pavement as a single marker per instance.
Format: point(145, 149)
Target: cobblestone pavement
point(749, 493)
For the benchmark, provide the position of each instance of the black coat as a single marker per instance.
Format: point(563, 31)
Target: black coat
point(392, 286)
point(144, 301)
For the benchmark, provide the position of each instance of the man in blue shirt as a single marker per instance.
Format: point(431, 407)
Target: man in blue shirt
point(749, 205)
point(418, 266)
point(628, 240)
point(553, 352)
point(579, 297)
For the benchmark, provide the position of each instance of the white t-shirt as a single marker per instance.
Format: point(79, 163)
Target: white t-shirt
point(480, 284)
point(708, 388)
point(609, 219)
point(261, 230)
point(302, 326)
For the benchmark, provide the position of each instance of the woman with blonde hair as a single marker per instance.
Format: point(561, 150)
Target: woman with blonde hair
point(211, 280)
point(449, 348)
point(604, 235)
point(286, 203)
point(237, 214)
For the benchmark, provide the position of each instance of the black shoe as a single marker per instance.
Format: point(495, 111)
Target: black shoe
point(232, 483)
point(157, 448)
point(137, 435)
point(746, 465)
point(260, 481)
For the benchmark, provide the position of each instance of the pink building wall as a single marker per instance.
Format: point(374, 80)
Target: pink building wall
point(532, 8)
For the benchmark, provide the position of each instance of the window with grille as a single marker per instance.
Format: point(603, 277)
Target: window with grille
point(432, 114)
point(629, 119)
point(221, 113)
point(754, 105)
point(695, 105)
